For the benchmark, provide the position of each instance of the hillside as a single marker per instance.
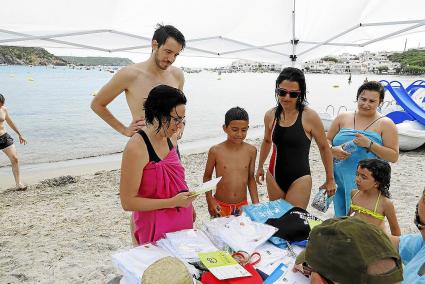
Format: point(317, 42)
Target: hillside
point(412, 61)
point(14, 55)
point(94, 61)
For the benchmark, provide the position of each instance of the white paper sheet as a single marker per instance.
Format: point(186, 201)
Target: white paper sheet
point(206, 186)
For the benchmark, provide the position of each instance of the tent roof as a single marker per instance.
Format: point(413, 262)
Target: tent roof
point(258, 30)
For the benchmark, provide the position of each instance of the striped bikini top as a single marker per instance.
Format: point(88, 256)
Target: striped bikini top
point(360, 209)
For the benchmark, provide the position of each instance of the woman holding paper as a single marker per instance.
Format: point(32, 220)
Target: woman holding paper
point(152, 183)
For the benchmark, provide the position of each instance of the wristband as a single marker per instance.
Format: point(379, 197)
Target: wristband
point(370, 146)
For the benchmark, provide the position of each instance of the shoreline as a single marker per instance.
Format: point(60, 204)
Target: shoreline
point(37, 172)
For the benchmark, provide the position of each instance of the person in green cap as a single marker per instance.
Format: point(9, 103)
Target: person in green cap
point(348, 250)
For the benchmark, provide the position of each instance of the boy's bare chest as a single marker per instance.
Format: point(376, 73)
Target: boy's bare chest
point(233, 161)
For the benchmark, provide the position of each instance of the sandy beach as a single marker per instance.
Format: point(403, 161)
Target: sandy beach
point(65, 229)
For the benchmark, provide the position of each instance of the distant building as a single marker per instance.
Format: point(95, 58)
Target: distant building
point(350, 63)
point(244, 65)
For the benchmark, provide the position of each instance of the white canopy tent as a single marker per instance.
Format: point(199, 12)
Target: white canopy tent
point(278, 31)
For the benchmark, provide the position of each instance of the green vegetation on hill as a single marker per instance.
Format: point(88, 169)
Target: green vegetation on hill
point(94, 61)
point(14, 55)
point(330, 58)
point(412, 61)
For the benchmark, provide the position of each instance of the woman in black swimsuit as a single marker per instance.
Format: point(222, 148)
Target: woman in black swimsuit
point(289, 128)
point(6, 142)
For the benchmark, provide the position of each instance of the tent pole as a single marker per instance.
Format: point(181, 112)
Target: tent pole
point(293, 41)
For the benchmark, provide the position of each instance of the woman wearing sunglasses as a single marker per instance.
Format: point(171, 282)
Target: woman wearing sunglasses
point(289, 128)
point(370, 135)
point(152, 183)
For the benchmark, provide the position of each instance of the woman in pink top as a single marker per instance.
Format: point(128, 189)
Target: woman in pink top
point(152, 181)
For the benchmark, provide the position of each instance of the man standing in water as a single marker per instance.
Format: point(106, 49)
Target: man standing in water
point(138, 79)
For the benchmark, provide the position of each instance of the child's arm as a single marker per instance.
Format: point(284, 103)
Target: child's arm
point(209, 168)
point(389, 212)
point(252, 185)
point(266, 146)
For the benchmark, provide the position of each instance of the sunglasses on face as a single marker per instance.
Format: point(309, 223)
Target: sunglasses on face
point(283, 92)
point(417, 220)
point(178, 120)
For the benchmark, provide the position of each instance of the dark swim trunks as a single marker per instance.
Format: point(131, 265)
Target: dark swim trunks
point(5, 141)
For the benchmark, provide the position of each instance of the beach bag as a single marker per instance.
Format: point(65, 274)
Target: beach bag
point(322, 201)
point(294, 225)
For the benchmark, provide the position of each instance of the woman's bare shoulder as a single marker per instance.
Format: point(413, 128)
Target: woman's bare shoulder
point(136, 145)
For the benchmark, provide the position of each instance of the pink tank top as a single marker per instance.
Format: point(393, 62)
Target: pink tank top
point(163, 179)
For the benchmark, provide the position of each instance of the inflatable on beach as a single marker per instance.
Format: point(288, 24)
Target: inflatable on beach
point(408, 114)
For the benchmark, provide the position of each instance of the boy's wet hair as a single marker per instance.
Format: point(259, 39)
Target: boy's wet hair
point(235, 113)
point(160, 102)
point(381, 172)
point(2, 99)
point(163, 32)
point(372, 86)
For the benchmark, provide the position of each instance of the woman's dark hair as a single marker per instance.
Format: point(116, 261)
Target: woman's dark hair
point(294, 75)
point(381, 172)
point(235, 113)
point(160, 102)
point(2, 99)
point(163, 32)
point(372, 86)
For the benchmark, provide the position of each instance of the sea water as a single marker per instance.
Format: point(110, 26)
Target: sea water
point(51, 107)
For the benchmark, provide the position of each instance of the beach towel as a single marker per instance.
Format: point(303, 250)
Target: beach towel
point(345, 170)
point(163, 179)
point(263, 211)
point(412, 252)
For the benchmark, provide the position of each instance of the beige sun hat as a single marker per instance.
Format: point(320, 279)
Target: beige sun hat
point(167, 270)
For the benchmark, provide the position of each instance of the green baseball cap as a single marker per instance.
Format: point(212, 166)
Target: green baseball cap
point(341, 249)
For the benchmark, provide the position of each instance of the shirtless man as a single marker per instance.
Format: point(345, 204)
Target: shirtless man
point(234, 161)
point(138, 79)
point(6, 143)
